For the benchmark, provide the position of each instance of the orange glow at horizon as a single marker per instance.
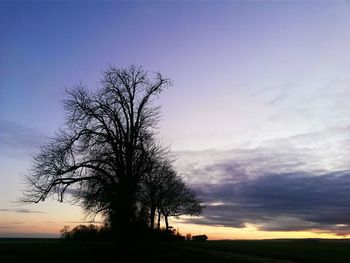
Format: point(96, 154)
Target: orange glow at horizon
point(54, 216)
point(37, 229)
point(249, 232)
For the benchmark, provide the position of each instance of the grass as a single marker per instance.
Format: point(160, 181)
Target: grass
point(55, 250)
point(298, 250)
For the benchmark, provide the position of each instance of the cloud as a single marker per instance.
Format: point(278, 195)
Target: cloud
point(295, 183)
point(16, 222)
point(318, 152)
point(20, 210)
point(312, 105)
point(17, 140)
point(278, 99)
point(280, 202)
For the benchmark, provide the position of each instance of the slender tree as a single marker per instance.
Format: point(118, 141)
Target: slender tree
point(178, 199)
point(165, 192)
point(153, 187)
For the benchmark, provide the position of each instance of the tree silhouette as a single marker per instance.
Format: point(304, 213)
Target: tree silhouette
point(102, 150)
point(152, 188)
point(178, 199)
point(164, 191)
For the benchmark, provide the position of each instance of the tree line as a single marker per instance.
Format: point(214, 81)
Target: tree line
point(95, 233)
point(107, 158)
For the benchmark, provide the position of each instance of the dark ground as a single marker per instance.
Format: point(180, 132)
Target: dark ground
point(55, 250)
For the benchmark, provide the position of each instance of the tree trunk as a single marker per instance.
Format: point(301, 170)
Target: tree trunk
point(152, 215)
point(123, 213)
point(159, 214)
point(166, 222)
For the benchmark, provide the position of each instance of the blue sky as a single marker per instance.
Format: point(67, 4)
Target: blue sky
point(261, 89)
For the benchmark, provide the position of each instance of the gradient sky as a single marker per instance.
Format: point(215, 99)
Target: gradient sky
point(259, 114)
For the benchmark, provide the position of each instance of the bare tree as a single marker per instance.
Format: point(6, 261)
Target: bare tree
point(164, 191)
point(178, 199)
point(101, 152)
point(153, 186)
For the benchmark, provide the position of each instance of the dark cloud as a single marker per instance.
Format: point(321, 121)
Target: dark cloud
point(279, 202)
point(283, 184)
point(20, 210)
point(17, 140)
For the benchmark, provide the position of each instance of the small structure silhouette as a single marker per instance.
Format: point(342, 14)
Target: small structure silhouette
point(200, 238)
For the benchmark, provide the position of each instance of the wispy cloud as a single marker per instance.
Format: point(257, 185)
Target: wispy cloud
point(20, 210)
point(17, 140)
point(317, 152)
point(85, 222)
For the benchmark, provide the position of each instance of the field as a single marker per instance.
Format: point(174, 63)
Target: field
point(55, 250)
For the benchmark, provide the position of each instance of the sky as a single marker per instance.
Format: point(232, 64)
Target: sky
point(258, 114)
